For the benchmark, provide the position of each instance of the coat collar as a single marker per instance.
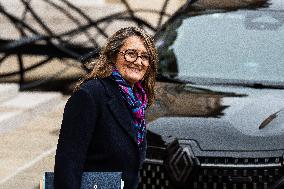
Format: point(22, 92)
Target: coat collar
point(119, 108)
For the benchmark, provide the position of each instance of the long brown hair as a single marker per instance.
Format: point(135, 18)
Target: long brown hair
point(103, 65)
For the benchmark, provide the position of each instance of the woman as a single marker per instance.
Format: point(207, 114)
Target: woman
point(103, 126)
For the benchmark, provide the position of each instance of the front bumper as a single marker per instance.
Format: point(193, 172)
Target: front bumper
point(172, 169)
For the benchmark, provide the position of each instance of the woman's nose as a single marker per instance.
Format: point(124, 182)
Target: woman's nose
point(139, 61)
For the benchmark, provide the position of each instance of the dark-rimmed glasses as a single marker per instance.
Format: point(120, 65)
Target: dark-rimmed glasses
point(131, 55)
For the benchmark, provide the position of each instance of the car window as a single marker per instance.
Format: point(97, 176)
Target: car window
point(241, 45)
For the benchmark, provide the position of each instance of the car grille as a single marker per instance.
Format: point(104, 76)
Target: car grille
point(218, 173)
point(153, 175)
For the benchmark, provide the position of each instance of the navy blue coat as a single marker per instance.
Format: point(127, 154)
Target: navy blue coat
point(97, 134)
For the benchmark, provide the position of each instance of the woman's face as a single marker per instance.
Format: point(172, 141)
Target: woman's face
point(132, 60)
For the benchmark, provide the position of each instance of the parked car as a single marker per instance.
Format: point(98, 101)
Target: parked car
point(218, 119)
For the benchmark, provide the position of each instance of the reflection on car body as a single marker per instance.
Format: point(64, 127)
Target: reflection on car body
point(218, 120)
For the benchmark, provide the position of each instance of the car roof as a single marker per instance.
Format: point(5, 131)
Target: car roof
point(233, 5)
point(192, 6)
point(275, 5)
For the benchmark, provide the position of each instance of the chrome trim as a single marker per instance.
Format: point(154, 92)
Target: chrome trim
point(208, 165)
point(269, 165)
point(154, 161)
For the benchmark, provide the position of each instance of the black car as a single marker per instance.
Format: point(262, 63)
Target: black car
point(218, 119)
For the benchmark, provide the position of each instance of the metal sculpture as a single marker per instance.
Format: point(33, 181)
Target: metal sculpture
point(43, 41)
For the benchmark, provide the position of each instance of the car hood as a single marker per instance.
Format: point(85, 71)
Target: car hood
point(230, 118)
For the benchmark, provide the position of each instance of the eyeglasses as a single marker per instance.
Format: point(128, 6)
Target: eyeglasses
point(131, 55)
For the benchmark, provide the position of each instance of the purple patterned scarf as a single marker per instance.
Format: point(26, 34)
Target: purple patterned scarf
point(136, 100)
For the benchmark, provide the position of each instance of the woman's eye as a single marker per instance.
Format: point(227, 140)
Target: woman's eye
point(132, 54)
point(145, 57)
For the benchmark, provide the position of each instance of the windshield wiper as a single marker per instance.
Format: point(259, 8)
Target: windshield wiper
point(262, 86)
point(236, 82)
point(269, 119)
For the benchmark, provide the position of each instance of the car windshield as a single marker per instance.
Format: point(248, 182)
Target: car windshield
point(239, 46)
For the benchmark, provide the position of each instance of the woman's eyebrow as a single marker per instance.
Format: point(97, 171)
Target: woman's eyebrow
point(142, 52)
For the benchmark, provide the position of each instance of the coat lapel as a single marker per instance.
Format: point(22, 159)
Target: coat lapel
point(119, 108)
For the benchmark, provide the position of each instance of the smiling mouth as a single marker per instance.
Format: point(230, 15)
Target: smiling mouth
point(134, 69)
